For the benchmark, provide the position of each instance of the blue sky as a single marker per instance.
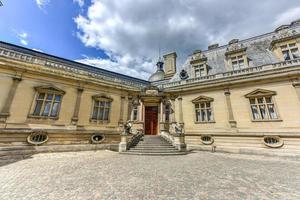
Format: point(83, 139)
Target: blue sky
point(124, 35)
point(50, 28)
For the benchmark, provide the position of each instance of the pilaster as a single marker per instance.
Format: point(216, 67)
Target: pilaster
point(5, 112)
point(74, 119)
point(231, 120)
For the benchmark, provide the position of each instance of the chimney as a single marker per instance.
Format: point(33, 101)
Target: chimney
point(170, 64)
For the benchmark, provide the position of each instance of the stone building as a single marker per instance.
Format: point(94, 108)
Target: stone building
point(240, 97)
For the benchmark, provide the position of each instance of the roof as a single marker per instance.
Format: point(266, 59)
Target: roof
point(72, 63)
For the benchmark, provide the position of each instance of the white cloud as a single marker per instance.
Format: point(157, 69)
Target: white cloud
point(287, 16)
point(131, 31)
point(39, 50)
point(42, 3)
point(23, 38)
point(79, 2)
point(24, 42)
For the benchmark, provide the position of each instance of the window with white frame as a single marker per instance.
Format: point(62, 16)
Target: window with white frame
point(200, 70)
point(101, 109)
point(263, 108)
point(290, 51)
point(47, 104)
point(204, 112)
point(238, 62)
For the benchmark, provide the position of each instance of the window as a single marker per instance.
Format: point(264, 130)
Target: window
point(101, 109)
point(237, 62)
point(135, 113)
point(203, 112)
point(290, 51)
point(263, 108)
point(167, 112)
point(47, 104)
point(200, 70)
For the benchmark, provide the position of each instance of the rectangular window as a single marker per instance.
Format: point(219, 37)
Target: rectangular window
point(101, 110)
point(200, 70)
point(47, 104)
point(263, 108)
point(237, 62)
point(135, 113)
point(167, 113)
point(290, 51)
point(204, 112)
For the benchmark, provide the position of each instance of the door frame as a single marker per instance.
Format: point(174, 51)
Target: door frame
point(157, 116)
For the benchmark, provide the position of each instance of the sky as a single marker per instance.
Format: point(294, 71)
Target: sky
point(125, 35)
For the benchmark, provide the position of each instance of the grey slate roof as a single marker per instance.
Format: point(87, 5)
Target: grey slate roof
point(257, 51)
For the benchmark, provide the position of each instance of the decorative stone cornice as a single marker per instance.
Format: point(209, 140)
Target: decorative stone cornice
point(62, 67)
point(202, 99)
point(259, 93)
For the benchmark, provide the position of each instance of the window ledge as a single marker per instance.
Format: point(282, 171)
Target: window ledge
point(42, 117)
point(268, 120)
point(210, 122)
point(94, 121)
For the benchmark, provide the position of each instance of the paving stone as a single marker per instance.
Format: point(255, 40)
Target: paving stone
point(109, 175)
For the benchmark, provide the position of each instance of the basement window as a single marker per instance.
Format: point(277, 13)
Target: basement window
point(273, 141)
point(97, 138)
point(37, 138)
point(207, 139)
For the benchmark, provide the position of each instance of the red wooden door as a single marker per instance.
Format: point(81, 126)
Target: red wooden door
point(151, 114)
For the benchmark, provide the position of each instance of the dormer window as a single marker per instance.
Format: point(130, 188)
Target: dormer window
point(290, 51)
point(237, 62)
point(200, 70)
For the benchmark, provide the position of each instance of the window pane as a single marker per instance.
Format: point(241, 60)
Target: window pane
point(198, 116)
point(102, 103)
point(203, 115)
point(95, 112)
point(286, 55)
point(263, 113)
point(57, 98)
point(107, 104)
point(196, 105)
point(209, 115)
point(272, 112)
point(255, 112)
point(241, 63)
point(292, 45)
point(208, 105)
point(41, 96)
point(46, 109)
point(252, 101)
point(295, 53)
point(268, 100)
point(260, 100)
point(283, 46)
point(54, 110)
point(101, 112)
point(50, 97)
point(38, 107)
point(202, 105)
point(106, 111)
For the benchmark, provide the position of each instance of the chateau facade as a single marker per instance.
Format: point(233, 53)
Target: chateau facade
point(240, 97)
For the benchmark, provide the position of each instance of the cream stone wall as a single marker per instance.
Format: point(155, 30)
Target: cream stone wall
point(286, 101)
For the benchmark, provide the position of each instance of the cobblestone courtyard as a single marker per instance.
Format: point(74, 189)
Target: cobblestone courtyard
point(108, 175)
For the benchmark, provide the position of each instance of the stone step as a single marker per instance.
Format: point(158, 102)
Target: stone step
point(153, 150)
point(155, 154)
point(162, 148)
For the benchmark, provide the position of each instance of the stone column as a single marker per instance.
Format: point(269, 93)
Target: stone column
point(231, 121)
point(121, 117)
point(180, 110)
point(173, 118)
point(5, 112)
point(140, 111)
point(296, 85)
point(77, 106)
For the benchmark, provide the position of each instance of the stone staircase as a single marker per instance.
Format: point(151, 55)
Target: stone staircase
point(153, 145)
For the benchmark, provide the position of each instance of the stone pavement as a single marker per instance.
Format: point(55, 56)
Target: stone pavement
point(109, 175)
